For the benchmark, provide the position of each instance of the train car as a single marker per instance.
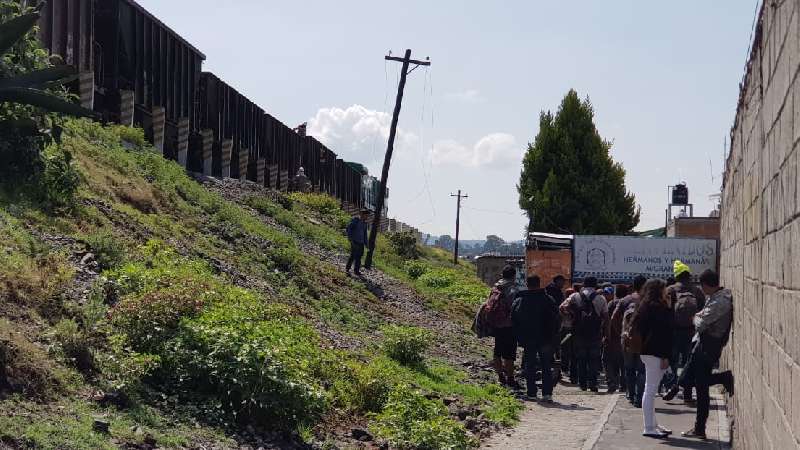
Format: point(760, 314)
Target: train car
point(239, 128)
point(66, 29)
point(138, 55)
point(135, 70)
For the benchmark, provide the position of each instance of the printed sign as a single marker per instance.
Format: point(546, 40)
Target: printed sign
point(621, 258)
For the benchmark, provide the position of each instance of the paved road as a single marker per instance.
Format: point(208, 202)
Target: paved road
point(585, 421)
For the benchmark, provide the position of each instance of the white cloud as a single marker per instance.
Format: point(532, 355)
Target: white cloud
point(496, 150)
point(467, 96)
point(357, 133)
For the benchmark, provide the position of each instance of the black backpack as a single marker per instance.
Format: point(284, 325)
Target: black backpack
point(588, 324)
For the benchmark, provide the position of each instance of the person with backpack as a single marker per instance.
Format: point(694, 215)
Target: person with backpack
point(534, 315)
point(612, 346)
point(621, 324)
point(653, 321)
point(569, 364)
point(497, 312)
point(686, 300)
point(590, 313)
point(712, 331)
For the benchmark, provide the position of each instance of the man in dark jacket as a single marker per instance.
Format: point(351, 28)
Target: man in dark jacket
point(686, 300)
point(505, 343)
point(712, 329)
point(357, 235)
point(534, 315)
point(556, 289)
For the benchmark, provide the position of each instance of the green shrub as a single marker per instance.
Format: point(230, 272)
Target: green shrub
point(411, 421)
point(365, 387)
point(107, 249)
point(406, 345)
point(153, 318)
point(415, 269)
point(75, 345)
point(59, 180)
point(257, 359)
point(437, 278)
point(405, 245)
point(321, 203)
point(124, 369)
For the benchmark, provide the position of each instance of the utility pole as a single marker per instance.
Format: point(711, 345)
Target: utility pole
point(458, 222)
point(373, 236)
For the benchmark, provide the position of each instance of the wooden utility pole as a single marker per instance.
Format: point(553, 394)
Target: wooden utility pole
point(458, 222)
point(373, 236)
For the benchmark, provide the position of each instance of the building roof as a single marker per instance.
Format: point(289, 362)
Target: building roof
point(549, 241)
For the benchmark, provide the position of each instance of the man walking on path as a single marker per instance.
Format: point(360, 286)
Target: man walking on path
point(534, 315)
point(634, 369)
point(569, 364)
point(357, 235)
point(712, 326)
point(590, 313)
point(686, 300)
point(505, 343)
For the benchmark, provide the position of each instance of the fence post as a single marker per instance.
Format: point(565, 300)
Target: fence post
point(244, 161)
point(86, 89)
point(261, 171)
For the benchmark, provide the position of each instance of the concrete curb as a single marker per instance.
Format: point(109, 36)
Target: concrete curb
point(591, 441)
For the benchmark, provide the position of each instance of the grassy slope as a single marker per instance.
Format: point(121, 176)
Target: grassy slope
point(231, 320)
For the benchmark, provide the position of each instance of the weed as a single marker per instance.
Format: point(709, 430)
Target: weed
point(406, 345)
point(108, 251)
point(24, 367)
point(405, 245)
point(415, 269)
point(411, 421)
point(75, 345)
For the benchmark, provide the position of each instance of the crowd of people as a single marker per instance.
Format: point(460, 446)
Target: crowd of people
point(652, 337)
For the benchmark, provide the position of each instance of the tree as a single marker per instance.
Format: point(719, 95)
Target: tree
point(493, 244)
point(569, 182)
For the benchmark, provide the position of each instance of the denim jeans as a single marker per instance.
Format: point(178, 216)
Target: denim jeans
point(543, 354)
point(569, 364)
point(614, 369)
point(588, 355)
point(356, 252)
point(634, 374)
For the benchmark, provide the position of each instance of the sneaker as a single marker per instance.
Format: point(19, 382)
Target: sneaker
point(729, 384)
point(671, 394)
point(656, 434)
point(531, 397)
point(694, 434)
point(664, 430)
point(547, 398)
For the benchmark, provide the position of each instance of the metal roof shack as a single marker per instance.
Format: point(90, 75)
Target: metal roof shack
point(549, 241)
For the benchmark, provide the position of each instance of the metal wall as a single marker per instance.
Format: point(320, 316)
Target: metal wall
point(67, 29)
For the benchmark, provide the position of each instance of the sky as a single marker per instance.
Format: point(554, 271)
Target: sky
point(663, 78)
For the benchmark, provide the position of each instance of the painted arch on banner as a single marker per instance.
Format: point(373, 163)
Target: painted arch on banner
point(621, 258)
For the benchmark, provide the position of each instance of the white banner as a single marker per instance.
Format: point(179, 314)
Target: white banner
point(621, 258)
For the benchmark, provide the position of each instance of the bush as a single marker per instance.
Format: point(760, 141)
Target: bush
point(365, 387)
point(75, 345)
point(411, 421)
point(405, 245)
point(415, 269)
point(152, 319)
point(59, 180)
point(437, 279)
point(256, 359)
point(108, 251)
point(406, 345)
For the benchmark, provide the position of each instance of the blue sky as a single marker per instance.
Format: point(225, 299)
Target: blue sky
point(663, 78)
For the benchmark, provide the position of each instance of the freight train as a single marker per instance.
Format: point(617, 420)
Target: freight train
point(135, 70)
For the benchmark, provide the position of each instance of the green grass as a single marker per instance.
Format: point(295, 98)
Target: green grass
point(218, 309)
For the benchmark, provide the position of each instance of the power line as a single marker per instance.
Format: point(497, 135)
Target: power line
point(494, 211)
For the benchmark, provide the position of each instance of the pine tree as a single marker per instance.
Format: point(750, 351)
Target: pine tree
point(569, 182)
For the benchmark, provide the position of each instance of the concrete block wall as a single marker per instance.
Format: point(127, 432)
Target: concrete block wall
point(760, 237)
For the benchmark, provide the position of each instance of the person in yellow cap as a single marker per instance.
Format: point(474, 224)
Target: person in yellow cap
point(686, 299)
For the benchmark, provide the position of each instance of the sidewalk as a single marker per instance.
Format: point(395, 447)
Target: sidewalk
point(585, 421)
point(623, 430)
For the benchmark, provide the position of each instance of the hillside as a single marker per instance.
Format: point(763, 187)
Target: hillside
point(150, 309)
